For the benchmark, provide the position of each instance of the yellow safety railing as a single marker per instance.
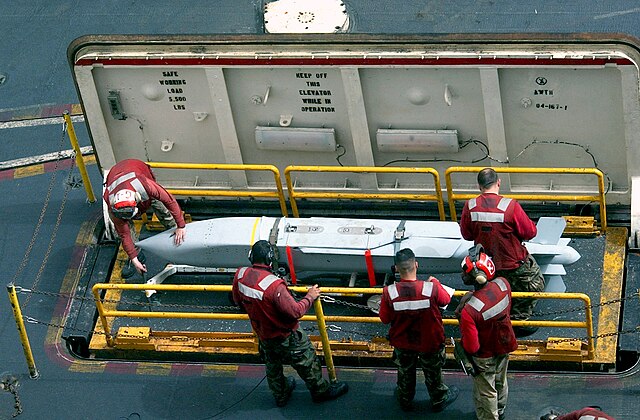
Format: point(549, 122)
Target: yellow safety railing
point(79, 159)
point(600, 198)
point(105, 313)
point(319, 316)
point(211, 192)
point(587, 324)
point(24, 339)
point(293, 194)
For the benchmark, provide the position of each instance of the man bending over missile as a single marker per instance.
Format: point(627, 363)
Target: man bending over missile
point(131, 188)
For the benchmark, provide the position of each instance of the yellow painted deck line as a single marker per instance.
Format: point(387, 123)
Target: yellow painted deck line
point(157, 369)
point(612, 276)
point(76, 109)
point(69, 284)
point(219, 370)
point(29, 171)
point(87, 366)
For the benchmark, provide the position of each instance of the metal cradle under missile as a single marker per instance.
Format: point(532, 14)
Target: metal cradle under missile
point(339, 244)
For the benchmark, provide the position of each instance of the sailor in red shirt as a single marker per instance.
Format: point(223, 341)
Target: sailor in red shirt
point(587, 413)
point(487, 334)
point(274, 315)
point(501, 225)
point(130, 189)
point(412, 307)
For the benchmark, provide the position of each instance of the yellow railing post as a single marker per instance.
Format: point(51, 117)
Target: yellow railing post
point(382, 195)
point(450, 196)
point(589, 317)
point(599, 198)
point(326, 347)
point(211, 192)
point(292, 197)
point(79, 160)
point(103, 317)
point(26, 347)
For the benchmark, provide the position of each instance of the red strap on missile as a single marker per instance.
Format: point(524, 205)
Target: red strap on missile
point(370, 271)
point(292, 270)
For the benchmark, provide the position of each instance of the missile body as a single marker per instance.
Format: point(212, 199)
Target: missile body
point(340, 244)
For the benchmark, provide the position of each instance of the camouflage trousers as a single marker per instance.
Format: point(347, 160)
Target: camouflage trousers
point(430, 363)
point(164, 216)
point(526, 278)
point(297, 351)
point(490, 388)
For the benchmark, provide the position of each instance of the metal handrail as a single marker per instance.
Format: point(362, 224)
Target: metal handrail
point(209, 192)
point(319, 317)
point(293, 194)
point(600, 198)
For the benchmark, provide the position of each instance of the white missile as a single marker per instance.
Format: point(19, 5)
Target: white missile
point(346, 245)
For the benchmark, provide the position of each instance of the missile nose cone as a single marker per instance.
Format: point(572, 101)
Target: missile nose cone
point(571, 255)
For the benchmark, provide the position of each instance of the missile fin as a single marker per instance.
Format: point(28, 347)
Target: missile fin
point(552, 269)
point(549, 230)
point(554, 284)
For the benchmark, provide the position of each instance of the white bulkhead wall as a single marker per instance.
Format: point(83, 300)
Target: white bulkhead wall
point(510, 112)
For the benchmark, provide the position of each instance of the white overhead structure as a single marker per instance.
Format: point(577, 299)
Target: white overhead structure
point(337, 99)
point(305, 16)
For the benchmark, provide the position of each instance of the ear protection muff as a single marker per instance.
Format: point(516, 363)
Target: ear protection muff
point(124, 204)
point(250, 256)
point(479, 266)
point(270, 258)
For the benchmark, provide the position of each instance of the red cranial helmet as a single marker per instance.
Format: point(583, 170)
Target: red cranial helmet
point(124, 204)
point(478, 265)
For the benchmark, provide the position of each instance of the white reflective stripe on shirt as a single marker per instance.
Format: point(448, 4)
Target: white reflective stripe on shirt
point(476, 303)
point(411, 305)
point(504, 203)
point(250, 292)
point(427, 289)
point(501, 284)
point(483, 216)
point(120, 180)
point(472, 203)
point(241, 272)
point(496, 309)
point(268, 281)
point(590, 417)
point(393, 292)
point(137, 185)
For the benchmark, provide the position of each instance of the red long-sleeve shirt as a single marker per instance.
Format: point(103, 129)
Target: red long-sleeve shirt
point(484, 321)
point(136, 175)
point(412, 307)
point(273, 312)
point(586, 413)
point(500, 225)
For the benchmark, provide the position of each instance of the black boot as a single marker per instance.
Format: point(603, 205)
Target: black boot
point(334, 391)
point(291, 385)
point(452, 395)
point(405, 405)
